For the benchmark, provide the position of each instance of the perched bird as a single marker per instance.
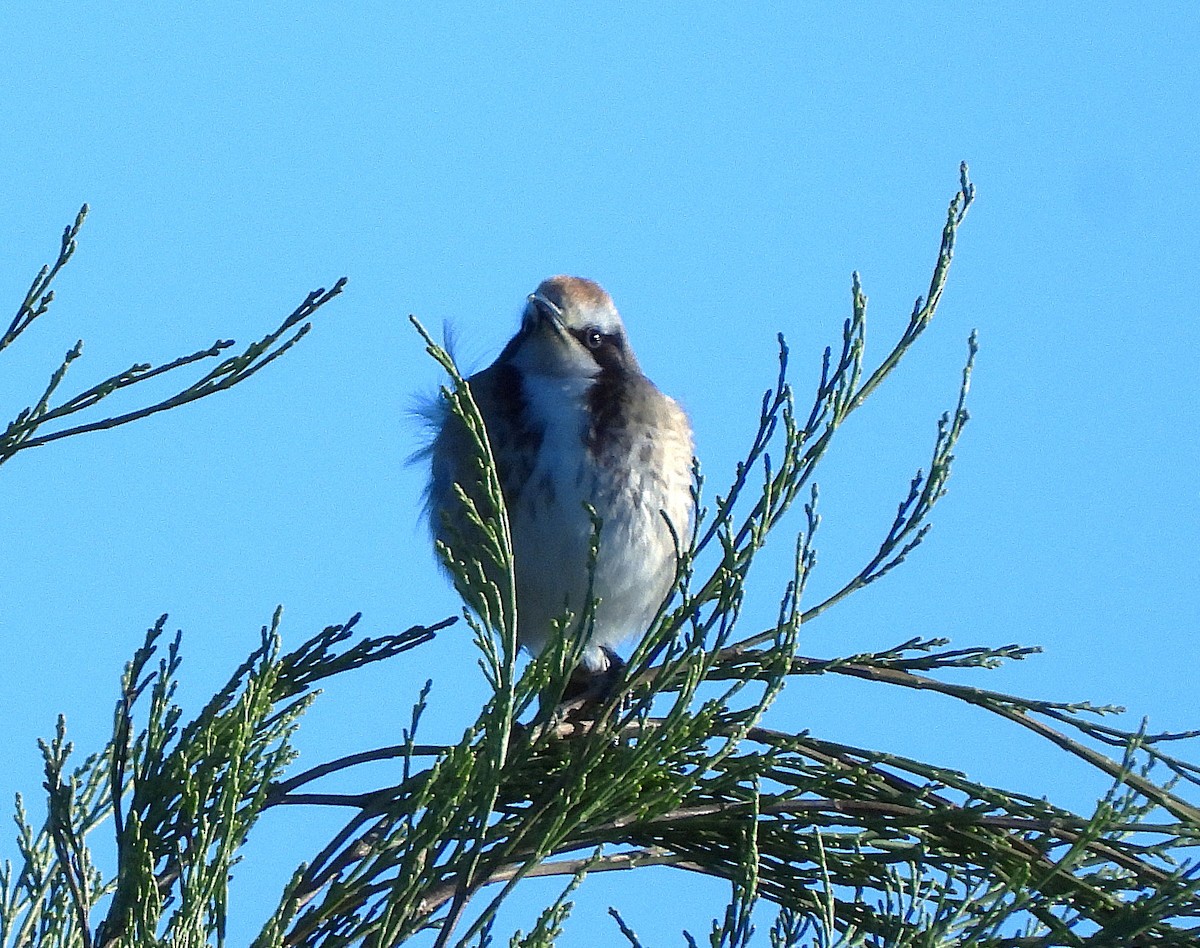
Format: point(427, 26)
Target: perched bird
point(571, 421)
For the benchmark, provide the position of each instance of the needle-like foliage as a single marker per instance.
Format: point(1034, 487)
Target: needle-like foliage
point(25, 430)
point(682, 767)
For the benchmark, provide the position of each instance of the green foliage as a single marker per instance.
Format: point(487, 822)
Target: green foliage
point(23, 430)
point(680, 768)
point(180, 798)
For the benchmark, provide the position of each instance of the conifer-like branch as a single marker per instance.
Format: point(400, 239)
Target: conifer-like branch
point(681, 767)
point(23, 431)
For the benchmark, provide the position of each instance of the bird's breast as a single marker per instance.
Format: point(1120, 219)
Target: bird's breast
point(621, 446)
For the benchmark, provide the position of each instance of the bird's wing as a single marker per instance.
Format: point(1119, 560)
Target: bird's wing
point(497, 393)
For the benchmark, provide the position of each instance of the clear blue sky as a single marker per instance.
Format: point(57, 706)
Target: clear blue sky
point(721, 173)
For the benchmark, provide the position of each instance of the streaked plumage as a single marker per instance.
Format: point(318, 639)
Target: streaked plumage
point(571, 419)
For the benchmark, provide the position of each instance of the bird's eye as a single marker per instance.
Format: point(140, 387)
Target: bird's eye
point(594, 338)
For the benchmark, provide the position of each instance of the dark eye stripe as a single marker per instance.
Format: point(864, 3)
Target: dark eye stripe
point(608, 349)
point(593, 339)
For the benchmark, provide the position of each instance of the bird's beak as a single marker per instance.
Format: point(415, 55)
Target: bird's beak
point(548, 312)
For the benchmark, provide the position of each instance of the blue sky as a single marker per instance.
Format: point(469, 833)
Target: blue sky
point(721, 171)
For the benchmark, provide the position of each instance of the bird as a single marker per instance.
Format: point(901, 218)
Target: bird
point(572, 421)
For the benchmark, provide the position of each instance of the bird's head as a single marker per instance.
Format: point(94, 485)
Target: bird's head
point(570, 328)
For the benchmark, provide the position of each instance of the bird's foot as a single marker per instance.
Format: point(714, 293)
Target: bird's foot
point(589, 687)
point(593, 686)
